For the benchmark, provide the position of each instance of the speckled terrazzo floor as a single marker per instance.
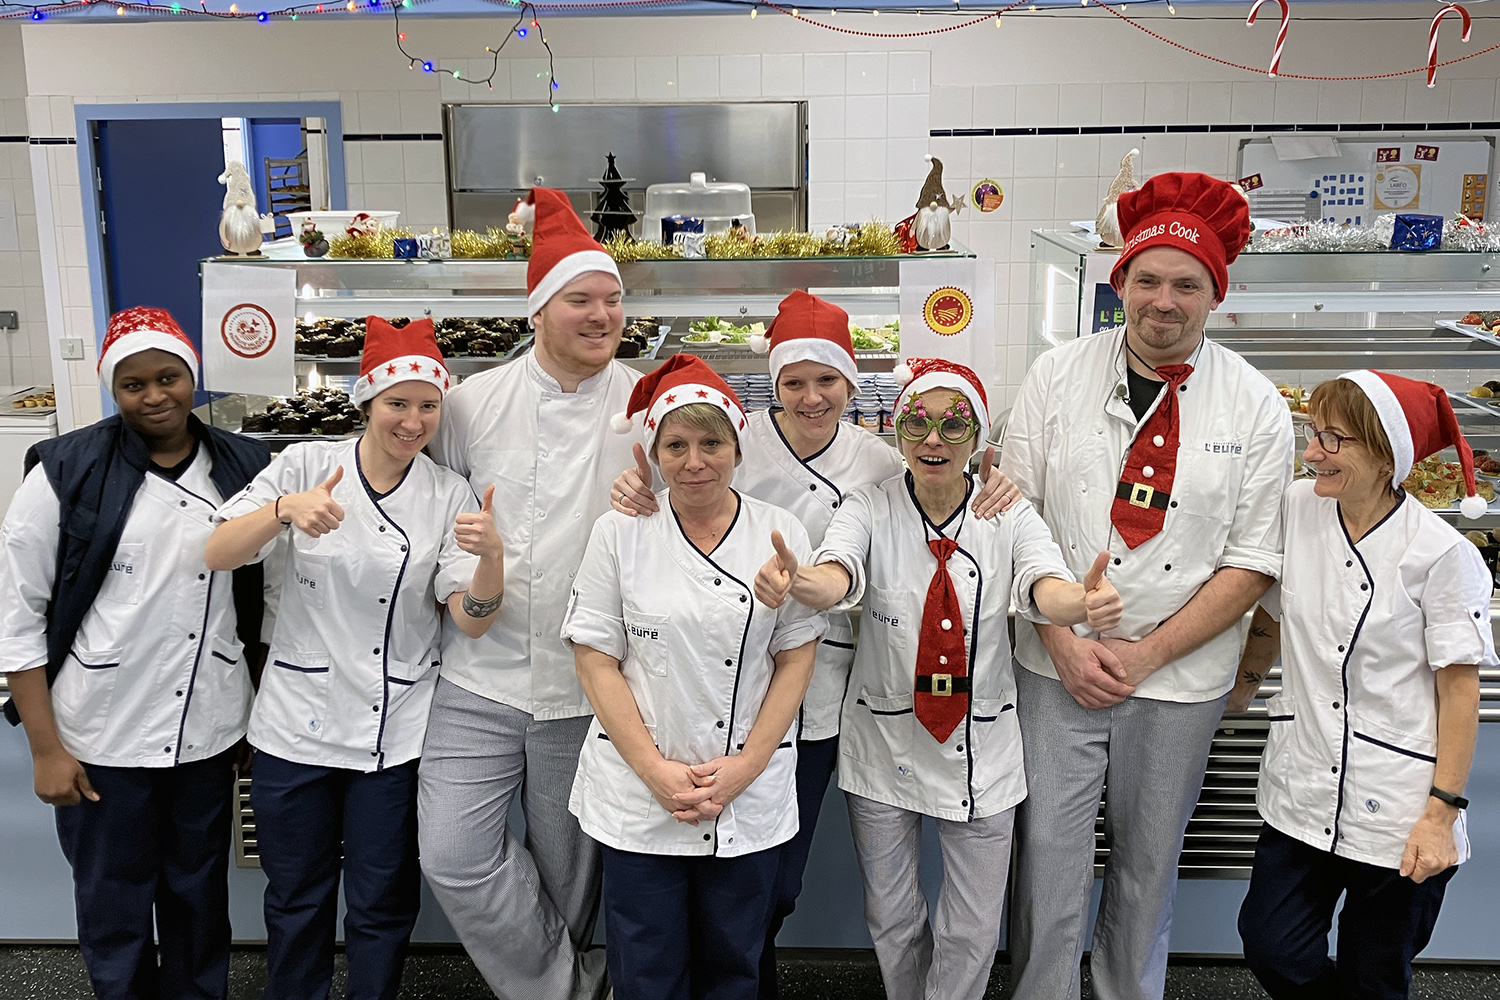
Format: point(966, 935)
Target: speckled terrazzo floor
point(56, 973)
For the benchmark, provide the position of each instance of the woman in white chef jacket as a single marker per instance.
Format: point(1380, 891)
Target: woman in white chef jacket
point(380, 536)
point(806, 458)
point(687, 776)
point(1384, 625)
point(929, 726)
point(135, 745)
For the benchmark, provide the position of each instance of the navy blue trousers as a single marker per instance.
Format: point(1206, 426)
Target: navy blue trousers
point(155, 844)
point(687, 928)
point(816, 760)
point(306, 819)
point(1385, 922)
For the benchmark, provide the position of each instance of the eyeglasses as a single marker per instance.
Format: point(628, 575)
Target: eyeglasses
point(954, 430)
point(1327, 440)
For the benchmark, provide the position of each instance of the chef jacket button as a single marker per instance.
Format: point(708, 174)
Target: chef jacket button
point(1073, 547)
point(960, 748)
point(166, 749)
point(376, 650)
point(1348, 563)
point(200, 576)
point(179, 694)
point(403, 548)
point(541, 514)
point(576, 514)
point(718, 580)
point(1182, 388)
point(731, 840)
point(971, 574)
point(1341, 649)
point(374, 753)
point(707, 837)
point(1148, 472)
point(1335, 704)
point(942, 659)
point(1117, 560)
point(1083, 489)
point(539, 635)
point(1172, 504)
point(965, 802)
point(382, 527)
point(1168, 567)
point(1327, 830)
point(812, 486)
point(1158, 440)
point(728, 663)
point(374, 708)
point(1364, 586)
point(743, 598)
point(1334, 769)
point(835, 505)
point(192, 635)
point(382, 600)
point(1476, 614)
point(182, 503)
point(190, 746)
point(719, 724)
point(947, 623)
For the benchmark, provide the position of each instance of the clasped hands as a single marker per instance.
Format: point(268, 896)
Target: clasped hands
point(696, 792)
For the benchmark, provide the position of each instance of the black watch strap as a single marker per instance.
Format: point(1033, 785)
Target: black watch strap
point(1456, 801)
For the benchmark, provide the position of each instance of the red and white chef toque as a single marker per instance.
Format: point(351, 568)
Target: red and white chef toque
point(561, 249)
point(1419, 421)
point(682, 379)
point(1195, 213)
point(917, 375)
point(398, 354)
point(142, 328)
point(807, 328)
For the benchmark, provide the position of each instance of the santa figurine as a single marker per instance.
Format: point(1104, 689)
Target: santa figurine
point(932, 226)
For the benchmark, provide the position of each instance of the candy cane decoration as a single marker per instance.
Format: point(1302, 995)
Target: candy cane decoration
point(1432, 38)
point(1286, 18)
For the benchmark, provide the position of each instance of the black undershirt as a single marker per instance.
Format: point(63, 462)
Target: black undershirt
point(1143, 392)
point(175, 472)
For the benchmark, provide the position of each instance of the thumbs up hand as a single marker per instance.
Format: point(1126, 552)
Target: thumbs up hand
point(476, 533)
point(774, 581)
point(1100, 599)
point(631, 493)
point(314, 511)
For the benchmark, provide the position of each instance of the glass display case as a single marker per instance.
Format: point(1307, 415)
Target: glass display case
point(1300, 318)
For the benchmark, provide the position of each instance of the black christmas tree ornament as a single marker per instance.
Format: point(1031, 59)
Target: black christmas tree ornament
point(612, 215)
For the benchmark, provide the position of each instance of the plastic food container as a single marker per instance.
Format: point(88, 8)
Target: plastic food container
point(719, 205)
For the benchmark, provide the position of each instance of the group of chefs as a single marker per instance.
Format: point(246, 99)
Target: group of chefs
point(648, 640)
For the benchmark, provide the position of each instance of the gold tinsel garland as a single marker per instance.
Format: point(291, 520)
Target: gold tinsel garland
point(872, 239)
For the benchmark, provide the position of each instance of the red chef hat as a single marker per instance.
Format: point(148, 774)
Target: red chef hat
point(142, 328)
point(561, 249)
point(1195, 213)
point(917, 375)
point(682, 379)
point(398, 354)
point(807, 328)
point(1419, 421)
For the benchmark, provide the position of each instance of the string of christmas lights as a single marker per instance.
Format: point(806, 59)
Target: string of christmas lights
point(517, 30)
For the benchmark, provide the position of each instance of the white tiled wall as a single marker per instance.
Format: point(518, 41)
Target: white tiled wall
point(871, 106)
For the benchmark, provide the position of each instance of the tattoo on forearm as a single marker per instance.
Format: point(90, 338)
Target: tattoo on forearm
point(481, 609)
point(1251, 677)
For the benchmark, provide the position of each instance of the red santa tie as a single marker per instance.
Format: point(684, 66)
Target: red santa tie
point(1145, 487)
point(942, 685)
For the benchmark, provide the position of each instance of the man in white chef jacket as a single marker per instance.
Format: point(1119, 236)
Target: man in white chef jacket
point(1171, 452)
point(509, 714)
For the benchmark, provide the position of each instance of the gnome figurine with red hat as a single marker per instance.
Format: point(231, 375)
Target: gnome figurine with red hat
point(1172, 452)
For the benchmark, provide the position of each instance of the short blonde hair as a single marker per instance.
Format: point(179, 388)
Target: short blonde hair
point(1341, 401)
point(704, 417)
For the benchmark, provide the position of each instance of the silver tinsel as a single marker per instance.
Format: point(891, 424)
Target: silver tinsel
point(1332, 237)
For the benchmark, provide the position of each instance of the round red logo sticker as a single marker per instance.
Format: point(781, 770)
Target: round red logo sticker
point(248, 330)
point(947, 311)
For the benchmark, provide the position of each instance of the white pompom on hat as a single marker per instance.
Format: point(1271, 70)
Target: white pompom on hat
point(917, 375)
point(142, 328)
point(1419, 421)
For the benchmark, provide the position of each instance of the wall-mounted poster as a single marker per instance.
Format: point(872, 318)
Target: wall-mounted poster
point(1398, 186)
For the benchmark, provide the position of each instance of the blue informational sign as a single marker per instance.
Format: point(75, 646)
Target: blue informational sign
point(1109, 311)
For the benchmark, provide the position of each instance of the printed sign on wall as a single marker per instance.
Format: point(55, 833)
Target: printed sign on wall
point(249, 322)
point(947, 311)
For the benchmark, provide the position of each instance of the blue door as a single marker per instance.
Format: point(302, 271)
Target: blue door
point(161, 198)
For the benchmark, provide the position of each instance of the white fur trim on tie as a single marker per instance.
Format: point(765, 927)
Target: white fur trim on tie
point(948, 380)
point(565, 270)
point(411, 368)
point(135, 343)
point(1392, 419)
point(824, 352)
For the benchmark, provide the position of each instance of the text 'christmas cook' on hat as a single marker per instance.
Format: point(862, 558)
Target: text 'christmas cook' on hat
point(561, 248)
point(1195, 213)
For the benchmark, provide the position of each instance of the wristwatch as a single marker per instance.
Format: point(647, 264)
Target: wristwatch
point(1456, 801)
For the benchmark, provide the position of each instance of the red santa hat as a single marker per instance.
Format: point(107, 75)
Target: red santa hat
point(682, 379)
point(561, 249)
point(142, 328)
point(1195, 213)
point(1419, 421)
point(917, 375)
point(807, 328)
point(398, 354)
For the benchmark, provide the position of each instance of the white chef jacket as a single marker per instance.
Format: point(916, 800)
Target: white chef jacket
point(552, 459)
point(880, 536)
point(696, 649)
point(1364, 628)
point(157, 675)
point(354, 655)
point(1065, 447)
point(813, 489)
